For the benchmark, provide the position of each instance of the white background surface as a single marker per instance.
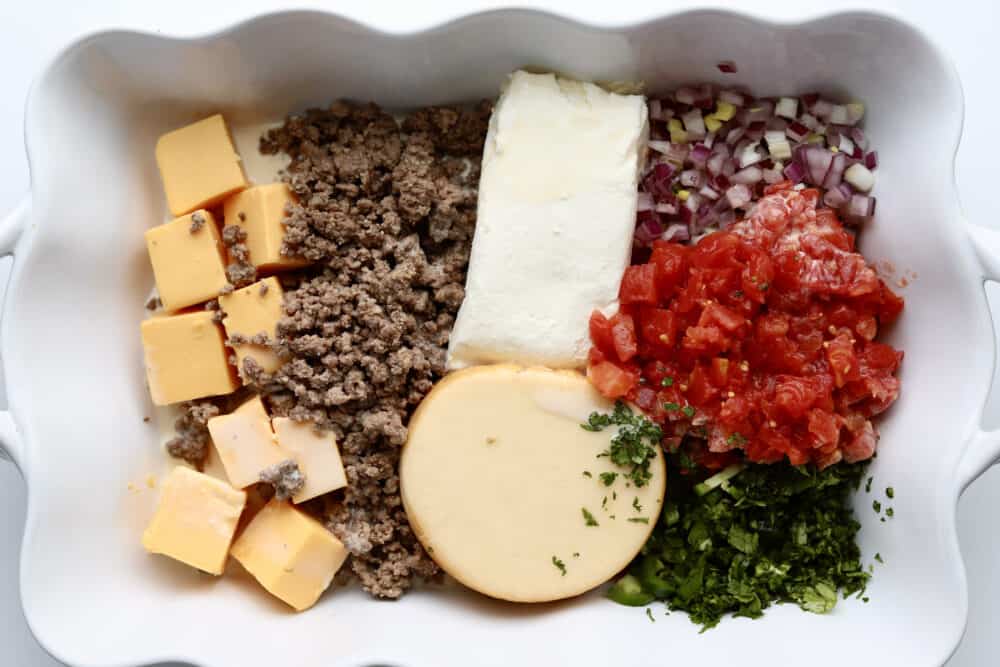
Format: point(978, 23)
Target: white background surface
point(968, 30)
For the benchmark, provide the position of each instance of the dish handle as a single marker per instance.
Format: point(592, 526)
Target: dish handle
point(11, 228)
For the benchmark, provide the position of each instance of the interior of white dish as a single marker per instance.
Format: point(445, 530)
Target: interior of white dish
point(93, 596)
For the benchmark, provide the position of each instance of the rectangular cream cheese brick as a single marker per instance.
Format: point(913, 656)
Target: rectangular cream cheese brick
point(250, 311)
point(186, 358)
point(556, 215)
point(188, 262)
point(199, 165)
point(195, 520)
point(316, 455)
point(260, 211)
point(291, 554)
point(245, 443)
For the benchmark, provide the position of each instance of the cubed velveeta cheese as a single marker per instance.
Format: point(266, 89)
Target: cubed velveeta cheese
point(186, 358)
point(199, 165)
point(188, 260)
point(195, 520)
point(260, 211)
point(315, 453)
point(245, 443)
point(291, 554)
point(250, 311)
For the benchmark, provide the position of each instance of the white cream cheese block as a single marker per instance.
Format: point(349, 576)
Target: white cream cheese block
point(556, 215)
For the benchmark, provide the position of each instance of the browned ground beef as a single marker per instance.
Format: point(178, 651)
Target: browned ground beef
point(389, 214)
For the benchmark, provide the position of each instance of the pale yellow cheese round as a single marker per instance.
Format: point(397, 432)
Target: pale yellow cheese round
point(495, 476)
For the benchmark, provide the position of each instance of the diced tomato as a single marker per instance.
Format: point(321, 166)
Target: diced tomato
point(639, 285)
point(719, 371)
point(611, 380)
point(658, 327)
point(763, 331)
point(623, 336)
point(600, 333)
point(891, 305)
point(671, 265)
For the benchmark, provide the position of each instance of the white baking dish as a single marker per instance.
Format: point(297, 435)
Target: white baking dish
point(77, 398)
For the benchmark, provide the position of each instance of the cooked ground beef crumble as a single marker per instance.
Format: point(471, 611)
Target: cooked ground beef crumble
point(386, 213)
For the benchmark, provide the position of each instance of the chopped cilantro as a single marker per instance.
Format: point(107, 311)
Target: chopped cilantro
point(671, 407)
point(877, 506)
point(889, 512)
point(688, 411)
point(576, 554)
point(604, 502)
point(667, 382)
point(868, 485)
point(588, 518)
point(614, 495)
point(770, 533)
point(865, 599)
point(608, 478)
point(634, 445)
point(636, 505)
point(890, 492)
point(639, 519)
point(649, 613)
point(586, 473)
point(878, 557)
point(560, 565)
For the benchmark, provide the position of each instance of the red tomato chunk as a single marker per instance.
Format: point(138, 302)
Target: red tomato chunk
point(758, 339)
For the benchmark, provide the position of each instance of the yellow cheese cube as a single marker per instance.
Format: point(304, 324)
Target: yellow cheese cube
point(250, 311)
point(186, 358)
point(260, 211)
point(315, 453)
point(195, 520)
point(188, 260)
point(199, 165)
point(245, 443)
point(291, 554)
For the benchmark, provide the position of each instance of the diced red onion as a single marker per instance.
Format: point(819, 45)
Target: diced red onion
point(787, 107)
point(709, 140)
point(658, 181)
point(676, 232)
point(809, 121)
point(796, 131)
point(692, 202)
point(860, 177)
point(795, 171)
point(699, 155)
point(659, 146)
point(649, 227)
point(708, 192)
point(835, 198)
point(774, 174)
point(838, 114)
point(755, 130)
point(729, 168)
point(691, 178)
point(694, 124)
point(818, 161)
point(750, 155)
point(809, 100)
point(645, 202)
point(859, 138)
point(686, 95)
point(727, 67)
point(733, 97)
point(721, 182)
point(706, 96)
point(726, 218)
point(715, 163)
point(749, 176)
point(835, 174)
point(861, 206)
point(738, 195)
point(778, 124)
point(735, 135)
point(666, 208)
point(871, 160)
point(822, 109)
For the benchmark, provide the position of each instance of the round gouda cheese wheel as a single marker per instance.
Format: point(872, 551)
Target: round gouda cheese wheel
point(496, 475)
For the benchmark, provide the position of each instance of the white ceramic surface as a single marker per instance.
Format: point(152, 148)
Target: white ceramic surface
point(92, 596)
